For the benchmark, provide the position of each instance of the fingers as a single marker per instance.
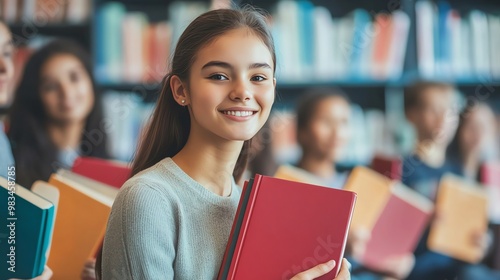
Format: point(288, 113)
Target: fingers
point(315, 272)
point(46, 275)
point(88, 272)
point(344, 273)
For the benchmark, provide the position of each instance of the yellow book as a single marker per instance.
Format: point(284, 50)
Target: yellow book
point(373, 190)
point(461, 213)
point(292, 173)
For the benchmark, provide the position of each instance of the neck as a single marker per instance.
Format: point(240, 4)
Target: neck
point(66, 136)
point(431, 153)
point(470, 165)
point(321, 167)
point(209, 161)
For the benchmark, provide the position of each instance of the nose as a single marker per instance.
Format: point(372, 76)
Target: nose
point(66, 91)
point(241, 91)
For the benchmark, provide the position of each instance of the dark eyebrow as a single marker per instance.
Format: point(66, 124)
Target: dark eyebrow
point(228, 66)
point(259, 65)
point(217, 63)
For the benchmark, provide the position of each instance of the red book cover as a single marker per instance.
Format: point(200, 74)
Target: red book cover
point(105, 171)
point(490, 177)
point(283, 228)
point(388, 237)
point(390, 167)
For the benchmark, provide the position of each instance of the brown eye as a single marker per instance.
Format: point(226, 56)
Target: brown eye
point(258, 78)
point(218, 77)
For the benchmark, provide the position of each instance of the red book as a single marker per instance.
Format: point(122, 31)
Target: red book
point(490, 177)
point(105, 171)
point(392, 167)
point(282, 228)
point(389, 238)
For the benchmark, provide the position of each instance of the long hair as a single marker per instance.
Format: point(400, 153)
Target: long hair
point(35, 153)
point(169, 126)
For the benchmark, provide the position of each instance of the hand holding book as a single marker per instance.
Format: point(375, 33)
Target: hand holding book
point(324, 268)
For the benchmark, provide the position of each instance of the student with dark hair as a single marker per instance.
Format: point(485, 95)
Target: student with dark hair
point(323, 131)
point(433, 109)
point(6, 79)
point(173, 218)
point(56, 115)
point(475, 139)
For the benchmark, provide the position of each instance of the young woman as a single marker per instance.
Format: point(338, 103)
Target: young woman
point(6, 77)
point(56, 114)
point(173, 218)
point(474, 140)
point(322, 132)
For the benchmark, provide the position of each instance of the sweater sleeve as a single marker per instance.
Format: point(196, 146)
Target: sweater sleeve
point(140, 237)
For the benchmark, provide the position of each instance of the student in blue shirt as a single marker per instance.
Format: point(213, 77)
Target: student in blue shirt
point(433, 109)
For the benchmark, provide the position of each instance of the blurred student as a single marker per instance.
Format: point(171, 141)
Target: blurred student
point(475, 139)
point(323, 132)
point(56, 115)
point(432, 108)
point(6, 78)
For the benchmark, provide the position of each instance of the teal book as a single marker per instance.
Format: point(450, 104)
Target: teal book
point(25, 234)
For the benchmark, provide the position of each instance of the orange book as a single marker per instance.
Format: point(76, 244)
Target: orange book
point(82, 215)
point(461, 209)
point(292, 173)
point(373, 190)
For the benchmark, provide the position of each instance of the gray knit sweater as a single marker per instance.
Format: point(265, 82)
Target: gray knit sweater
point(165, 225)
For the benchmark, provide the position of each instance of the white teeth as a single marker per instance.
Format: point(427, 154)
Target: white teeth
point(239, 113)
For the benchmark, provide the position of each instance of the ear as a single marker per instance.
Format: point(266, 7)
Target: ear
point(274, 82)
point(179, 90)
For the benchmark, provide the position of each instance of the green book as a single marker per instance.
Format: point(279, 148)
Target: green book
point(25, 231)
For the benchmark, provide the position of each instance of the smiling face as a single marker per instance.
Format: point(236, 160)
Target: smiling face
point(231, 86)
point(6, 63)
point(328, 131)
point(66, 89)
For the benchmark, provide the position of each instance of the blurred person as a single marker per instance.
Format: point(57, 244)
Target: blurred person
point(432, 108)
point(475, 139)
point(56, 115)
point(6, 78)
point(323, 132)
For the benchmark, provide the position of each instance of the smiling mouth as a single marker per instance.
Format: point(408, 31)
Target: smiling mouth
point(239, 113)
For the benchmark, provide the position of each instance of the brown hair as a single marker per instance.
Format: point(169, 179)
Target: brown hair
point(168, 130)
point(413, 92)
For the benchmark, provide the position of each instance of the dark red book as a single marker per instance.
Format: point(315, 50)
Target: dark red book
point(105, 171)
point(391, 167)
point(282, 228)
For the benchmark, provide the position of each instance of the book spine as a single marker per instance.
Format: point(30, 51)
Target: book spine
point(244, 226)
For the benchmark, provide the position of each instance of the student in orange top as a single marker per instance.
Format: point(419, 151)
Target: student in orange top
point(173, 218)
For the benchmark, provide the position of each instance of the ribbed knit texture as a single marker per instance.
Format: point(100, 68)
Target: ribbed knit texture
point(165, 225)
